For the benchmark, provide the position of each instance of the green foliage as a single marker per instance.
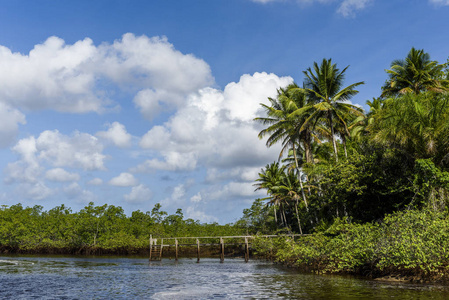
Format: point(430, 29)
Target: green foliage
point(95, 229)
point(410, 242)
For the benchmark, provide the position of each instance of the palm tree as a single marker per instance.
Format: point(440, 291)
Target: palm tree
point(328, 98)
point(289, 191)
point(270, 179)
point(415, 74)
point(416, 124)
point(285, 126)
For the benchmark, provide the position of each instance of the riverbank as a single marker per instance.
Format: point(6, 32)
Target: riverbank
point(231, 251)
point(408, 246)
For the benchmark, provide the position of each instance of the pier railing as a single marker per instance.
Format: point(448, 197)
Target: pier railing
point(156, 248)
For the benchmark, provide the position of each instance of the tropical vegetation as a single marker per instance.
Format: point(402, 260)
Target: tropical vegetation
point(368, 191)
point(371, 188)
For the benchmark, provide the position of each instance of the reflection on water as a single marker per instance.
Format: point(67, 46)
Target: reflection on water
point(120, 278)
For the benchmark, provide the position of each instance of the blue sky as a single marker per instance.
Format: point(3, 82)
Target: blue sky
point(134, 103)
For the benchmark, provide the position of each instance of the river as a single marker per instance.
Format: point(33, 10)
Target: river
point(25, 277)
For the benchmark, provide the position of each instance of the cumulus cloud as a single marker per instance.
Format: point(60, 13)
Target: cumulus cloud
point(164, 74)
point(79, 150)
point(215, 128)
point(139, 194)
point(59, 174)
point(116, 134)
point(71, 78)
point(53, 75)
point(10, 119)
point(124, 179)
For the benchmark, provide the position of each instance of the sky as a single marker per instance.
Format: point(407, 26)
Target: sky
point(133, 103)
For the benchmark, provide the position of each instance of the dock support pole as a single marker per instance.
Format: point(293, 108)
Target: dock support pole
point(151, 245)
point(162, 245)
point(176, 249)
point(222, 250)
point(246, 249)
point(198, 250)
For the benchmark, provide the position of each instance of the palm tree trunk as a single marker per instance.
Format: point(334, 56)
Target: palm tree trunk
point(299, 177)
point(285, 218)
point(275, 216)
point(308, 146)
point(334, 143)
point(297, 216)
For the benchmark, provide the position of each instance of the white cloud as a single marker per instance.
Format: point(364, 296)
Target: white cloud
point(59, 174)
point(52, 76)
point(76, 192)
point(173, 161)
point(196, 214)
point(349, 7)
point(164, 74)
point(235, 190)
point(81, 150)
point(27, 169)
point(71, 78)
point(215, 128)
point(246, 174)
point(439, 2)
point(346, 7)
point(124, 179)
point(34, 191)
point(10, 119)
point(95, 181)
point(196, 198)
point(139, 194)
point(156, 138)
point(116, 134)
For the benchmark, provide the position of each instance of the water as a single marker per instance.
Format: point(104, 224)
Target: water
point(134, 278)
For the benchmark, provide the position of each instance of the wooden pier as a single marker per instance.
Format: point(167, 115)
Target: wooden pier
point(243, 240)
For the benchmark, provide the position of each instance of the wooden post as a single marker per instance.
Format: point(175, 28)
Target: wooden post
point(151, 245)
point(222, 250)
point(176, 249)
point(198, 250)
point(160, 253)
point(271, 249)
point(246, 249)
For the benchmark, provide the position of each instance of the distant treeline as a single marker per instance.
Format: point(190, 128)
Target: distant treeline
point(94, 229)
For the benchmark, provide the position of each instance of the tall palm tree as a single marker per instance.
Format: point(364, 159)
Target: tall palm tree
point(328, 98)
point(415, 74)
point(285, 127)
